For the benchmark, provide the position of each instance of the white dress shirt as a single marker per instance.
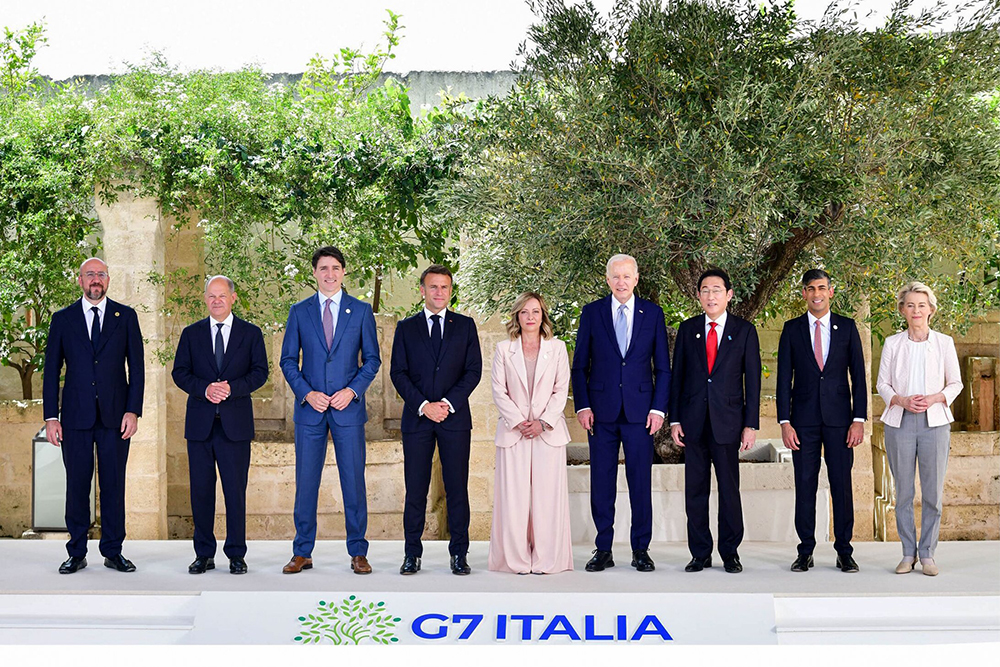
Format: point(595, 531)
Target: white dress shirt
point(88, 314)
point(227, 328)
point(334, 306)
point(430, 323)
point(719, 329)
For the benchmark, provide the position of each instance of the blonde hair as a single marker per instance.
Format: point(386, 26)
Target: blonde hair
point(918, 288)
point(514, 326)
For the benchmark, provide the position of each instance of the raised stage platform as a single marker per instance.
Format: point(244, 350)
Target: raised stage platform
point(161, 603)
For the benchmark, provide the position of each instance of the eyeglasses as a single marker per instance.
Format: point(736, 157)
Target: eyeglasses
point(96, 274)
point(713, 292)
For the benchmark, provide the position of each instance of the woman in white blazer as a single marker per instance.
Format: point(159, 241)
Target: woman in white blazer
point(918, 378)
point(531, 531)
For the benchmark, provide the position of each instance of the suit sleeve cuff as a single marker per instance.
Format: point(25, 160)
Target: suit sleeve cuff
point(581, 410)
point(658, 413)
point(420, 410)
point(451, 408)
point(674, 423)
point(782, 421)
point(860, 419)
point(52, 419)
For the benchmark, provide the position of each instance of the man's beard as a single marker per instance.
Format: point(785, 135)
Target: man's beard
point(95, 292)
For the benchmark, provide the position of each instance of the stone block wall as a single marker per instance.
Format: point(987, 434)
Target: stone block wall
point(19, 422)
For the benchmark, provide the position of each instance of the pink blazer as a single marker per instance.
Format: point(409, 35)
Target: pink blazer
point(941, 374)
point(510, 391)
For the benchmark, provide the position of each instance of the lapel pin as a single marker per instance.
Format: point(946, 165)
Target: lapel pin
point(834, 326)
point(729, 337)
point(697, 335)
point(116, 313)
point(348, 311)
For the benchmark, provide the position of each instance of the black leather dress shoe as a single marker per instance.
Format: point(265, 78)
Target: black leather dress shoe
point(72, 564)
point(847, 564)
point(802, 563)
point(237, 565)
point(732, 564)
point(458, 565)
point(698, 564)
point(411, 565)
point(119, 563)
point(642, 562)
point(600, 560)
point(201, 564)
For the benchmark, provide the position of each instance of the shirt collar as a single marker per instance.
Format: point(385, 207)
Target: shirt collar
point(428, 314)
point(102, 305)
point(825, 320)
point(335, 299)
point(721, 321)
point(226, 322)
point(629, 305)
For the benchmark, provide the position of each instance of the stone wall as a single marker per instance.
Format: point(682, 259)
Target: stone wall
point(19, 422)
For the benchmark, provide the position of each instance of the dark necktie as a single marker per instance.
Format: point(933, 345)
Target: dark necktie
point(95, 328)
point(436, 335)
point(220, 347)
point(711, 345)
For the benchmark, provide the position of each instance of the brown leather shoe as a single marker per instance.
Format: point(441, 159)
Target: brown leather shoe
point(297, 564)
point(360, 565)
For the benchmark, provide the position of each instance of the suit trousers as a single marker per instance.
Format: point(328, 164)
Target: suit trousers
point(699, 457)
point(233, 460)
point(78, 457)
point(915, 443)
point(310, 455)
point(637, 443)
point(832, 440)
point(418, 453)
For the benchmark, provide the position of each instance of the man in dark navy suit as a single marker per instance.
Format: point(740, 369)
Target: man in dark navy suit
point(819, 411)
point(330, 331)
point(95, 338)
point(714, 415)
point(436, 363)
point(621, 386)
point(220, 361)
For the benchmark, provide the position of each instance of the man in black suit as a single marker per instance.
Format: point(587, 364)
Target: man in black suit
point(818, 410)
point(436, 363)
point(94, 338)
point(714, 415)
point(220, 361)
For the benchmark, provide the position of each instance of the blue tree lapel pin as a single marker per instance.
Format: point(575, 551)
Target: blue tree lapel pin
point(729, 337)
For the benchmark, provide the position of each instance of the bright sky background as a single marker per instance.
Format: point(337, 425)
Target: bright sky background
point(97, 36)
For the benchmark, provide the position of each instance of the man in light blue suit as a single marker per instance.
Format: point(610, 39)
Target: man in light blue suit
point(330, 329)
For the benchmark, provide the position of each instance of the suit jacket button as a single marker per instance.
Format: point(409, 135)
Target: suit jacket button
point(437, 368)
point(710, 380)
point(619, 386)
point(623, 363)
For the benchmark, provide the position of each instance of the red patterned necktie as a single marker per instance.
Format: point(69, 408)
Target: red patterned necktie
point(711, 345)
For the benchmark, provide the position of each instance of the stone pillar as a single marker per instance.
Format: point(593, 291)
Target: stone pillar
point(864, 476)
point(133, 234)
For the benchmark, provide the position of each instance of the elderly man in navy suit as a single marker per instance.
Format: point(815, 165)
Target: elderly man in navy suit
point(220, 361)
point(714, 415)
point(436, 363)
point(819, 412)
point(330, 330)
point(621, 386)
point(95, 339)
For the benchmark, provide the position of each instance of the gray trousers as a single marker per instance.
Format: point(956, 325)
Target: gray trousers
point(914, 441)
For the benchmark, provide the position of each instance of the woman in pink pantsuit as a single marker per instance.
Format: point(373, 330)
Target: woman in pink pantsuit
point(531, 532)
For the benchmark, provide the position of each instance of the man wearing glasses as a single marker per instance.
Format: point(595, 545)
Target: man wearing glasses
point(714, 415)
point(95, 339)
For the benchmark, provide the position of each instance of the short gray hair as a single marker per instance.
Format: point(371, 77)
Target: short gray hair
point(91, 259)
point(229, 282)
point(620, 258)
point(916, 287)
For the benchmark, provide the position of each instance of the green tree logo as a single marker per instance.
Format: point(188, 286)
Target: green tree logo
point(348, 623)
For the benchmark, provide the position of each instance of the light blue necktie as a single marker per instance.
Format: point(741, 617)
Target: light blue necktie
point(621, 329)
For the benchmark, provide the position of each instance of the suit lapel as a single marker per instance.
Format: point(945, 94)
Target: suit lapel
point(638, 317)
point(544, 359)
point(235, 340)
point(208, 349)
point(517, 358)
point(609, 326)
point(449, 331)
point(112, 316)
point(76, 314)
point(345, 314)
point(807, 336)
point(700, 342)
point(312, 314)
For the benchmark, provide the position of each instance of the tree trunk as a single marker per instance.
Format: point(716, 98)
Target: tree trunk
point(377, 297)
point(26, 371)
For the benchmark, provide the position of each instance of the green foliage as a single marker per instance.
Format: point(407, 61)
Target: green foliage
point(350, 622)
point(730, 133)
point(46, 203)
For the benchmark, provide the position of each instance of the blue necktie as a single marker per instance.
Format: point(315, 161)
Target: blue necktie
point(95, 328)
point(436, 335)
point(621, 330)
